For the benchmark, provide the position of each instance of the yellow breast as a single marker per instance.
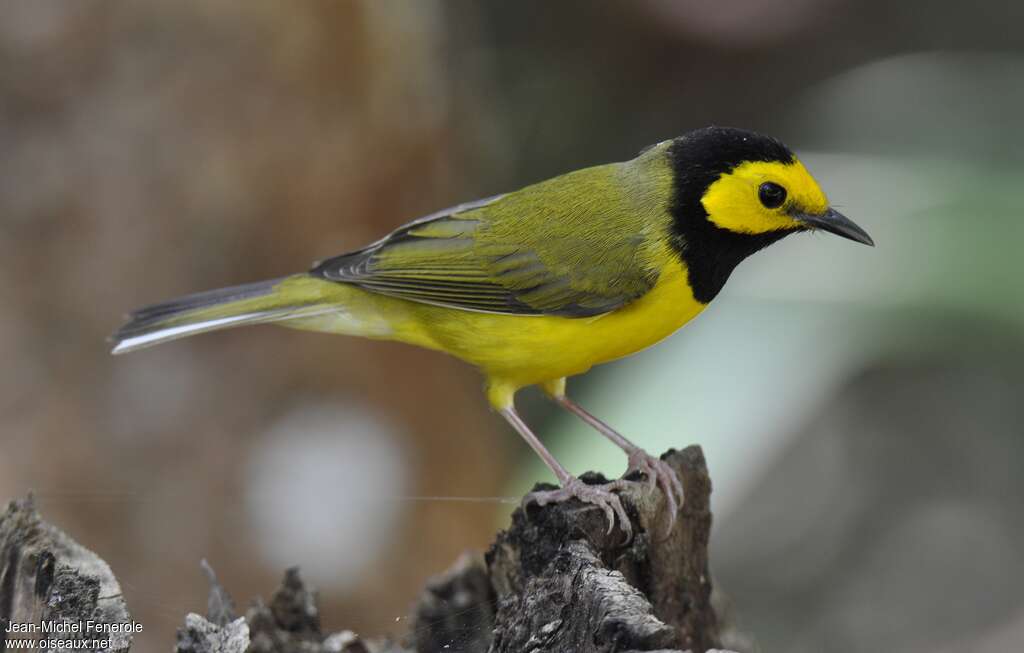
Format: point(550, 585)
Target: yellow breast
point(513, 351)
point(516, 351)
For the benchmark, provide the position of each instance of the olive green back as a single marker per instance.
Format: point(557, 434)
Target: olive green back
point(577, 245)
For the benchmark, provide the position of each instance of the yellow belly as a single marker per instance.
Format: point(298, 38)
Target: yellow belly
point(516, 351)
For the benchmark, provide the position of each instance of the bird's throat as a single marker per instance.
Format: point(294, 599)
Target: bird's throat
point(710, 254)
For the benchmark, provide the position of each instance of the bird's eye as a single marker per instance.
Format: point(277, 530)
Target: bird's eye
point(771, 195)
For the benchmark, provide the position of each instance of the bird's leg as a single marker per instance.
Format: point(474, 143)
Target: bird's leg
point(572, 487)
point(658, 472)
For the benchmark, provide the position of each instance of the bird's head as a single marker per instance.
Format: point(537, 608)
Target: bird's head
point(735, 192)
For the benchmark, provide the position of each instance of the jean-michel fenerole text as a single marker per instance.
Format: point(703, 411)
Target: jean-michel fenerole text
point(69, 627)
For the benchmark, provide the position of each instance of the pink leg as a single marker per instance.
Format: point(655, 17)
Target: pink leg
point(572, 487)
point(658, 473)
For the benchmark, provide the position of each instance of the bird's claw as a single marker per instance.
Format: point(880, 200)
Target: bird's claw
point(659, 474)
point(598, 495)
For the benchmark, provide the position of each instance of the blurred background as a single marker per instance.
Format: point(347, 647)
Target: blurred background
point(861, 409)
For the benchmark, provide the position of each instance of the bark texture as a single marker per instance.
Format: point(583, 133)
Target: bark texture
point(556, 581)
point(48, 578)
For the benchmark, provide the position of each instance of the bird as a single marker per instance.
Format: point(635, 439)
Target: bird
point(540, 284)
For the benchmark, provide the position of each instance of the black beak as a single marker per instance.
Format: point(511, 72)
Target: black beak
point(835, 222)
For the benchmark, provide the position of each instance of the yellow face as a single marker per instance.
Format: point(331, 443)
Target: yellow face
point(758, 197)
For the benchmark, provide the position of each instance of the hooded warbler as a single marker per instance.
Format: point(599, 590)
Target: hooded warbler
point(542, 283)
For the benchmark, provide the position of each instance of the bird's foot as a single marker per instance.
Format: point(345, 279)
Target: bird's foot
point(598, 495)
point(659, 474)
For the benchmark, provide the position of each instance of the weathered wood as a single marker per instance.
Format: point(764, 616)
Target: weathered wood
point(289, 623)
point(456, 609)
point(556, 581)
point(560, 582)
point(48, 578)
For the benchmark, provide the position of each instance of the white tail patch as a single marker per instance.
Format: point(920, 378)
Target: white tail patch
point(174, 332)
point(167, 334)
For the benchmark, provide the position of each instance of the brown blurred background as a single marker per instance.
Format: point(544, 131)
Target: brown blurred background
point(860, 408)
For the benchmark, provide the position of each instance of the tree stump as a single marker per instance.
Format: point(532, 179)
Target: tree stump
point(556, 581)
point(48, 578)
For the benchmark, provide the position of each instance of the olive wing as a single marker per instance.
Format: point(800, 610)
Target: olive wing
point(534, 252)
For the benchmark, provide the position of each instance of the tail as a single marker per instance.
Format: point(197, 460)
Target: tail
point(253, 303)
